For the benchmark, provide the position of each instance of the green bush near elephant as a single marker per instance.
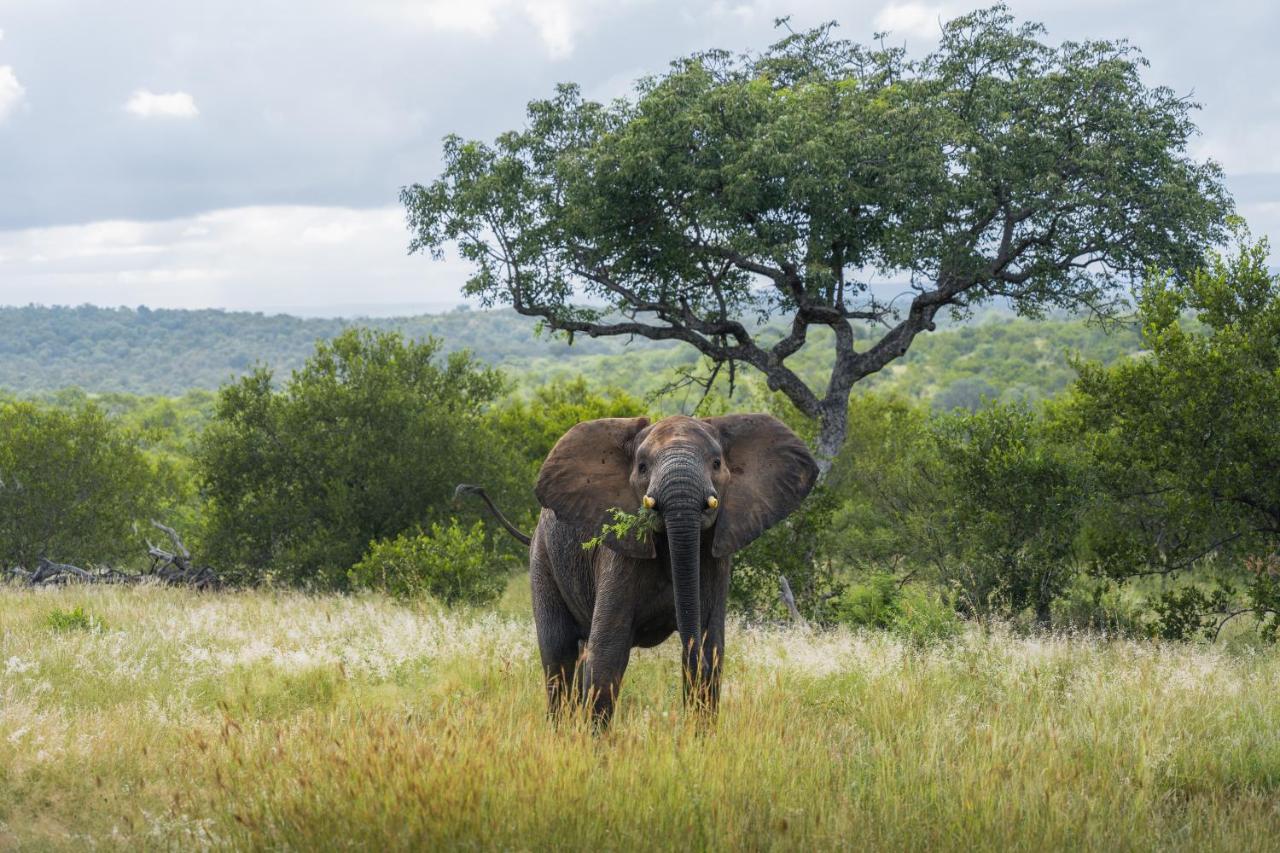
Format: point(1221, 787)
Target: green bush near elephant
point(452, 564)
point(914, 613)
point(365, 442)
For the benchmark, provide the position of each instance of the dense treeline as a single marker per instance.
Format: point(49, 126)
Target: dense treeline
point(1141, 498)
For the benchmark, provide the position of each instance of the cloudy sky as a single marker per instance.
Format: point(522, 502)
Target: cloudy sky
point(248, 154)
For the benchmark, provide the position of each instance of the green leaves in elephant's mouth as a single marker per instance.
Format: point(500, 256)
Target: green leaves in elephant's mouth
point(639, 525)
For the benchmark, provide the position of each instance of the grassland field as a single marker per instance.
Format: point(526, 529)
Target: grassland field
point(150, 718)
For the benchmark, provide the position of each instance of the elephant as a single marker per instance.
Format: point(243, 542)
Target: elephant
point(712, 485)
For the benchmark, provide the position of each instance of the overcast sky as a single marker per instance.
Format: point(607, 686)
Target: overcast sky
point(249, 154)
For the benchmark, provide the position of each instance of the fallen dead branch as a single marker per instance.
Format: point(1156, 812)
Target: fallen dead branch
point(172, 568)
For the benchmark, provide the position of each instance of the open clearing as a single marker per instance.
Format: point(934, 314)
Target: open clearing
point(167, 719)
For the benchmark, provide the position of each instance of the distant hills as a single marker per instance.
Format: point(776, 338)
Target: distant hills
point(169, 351)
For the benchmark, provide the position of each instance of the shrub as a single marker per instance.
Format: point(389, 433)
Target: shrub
point(1016, 496)
point(75, 619)
point(451, 564)
point(870, 604)
point(72, 485)
point(365, 442)
point(1100, 604)
point(913, 612)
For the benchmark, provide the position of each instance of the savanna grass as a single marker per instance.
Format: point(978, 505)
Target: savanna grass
point(254, 720)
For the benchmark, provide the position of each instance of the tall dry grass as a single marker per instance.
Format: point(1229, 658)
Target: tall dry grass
point(255, 720)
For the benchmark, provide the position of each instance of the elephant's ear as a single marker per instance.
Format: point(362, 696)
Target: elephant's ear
point(588, 473)
point(770, 472)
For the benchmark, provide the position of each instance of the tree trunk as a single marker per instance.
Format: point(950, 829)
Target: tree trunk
point(1044, 612)
point(833, 426)
point(789, 599)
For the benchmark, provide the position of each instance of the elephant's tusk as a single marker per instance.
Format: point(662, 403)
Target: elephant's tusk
point(712, 502)
point(648, 502)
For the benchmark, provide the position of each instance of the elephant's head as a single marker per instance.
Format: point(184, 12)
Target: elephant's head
point(727, 479)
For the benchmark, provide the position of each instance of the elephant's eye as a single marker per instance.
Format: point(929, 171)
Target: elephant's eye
point(642, 468)
point(715, 464)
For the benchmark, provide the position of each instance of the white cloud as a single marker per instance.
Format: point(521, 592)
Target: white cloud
point(254, 258)
point(557, 22)
point(147, 104)
point(11, 91)
point(1242, 148)
point(922, 20)
point(556, 25)
point(478, 18)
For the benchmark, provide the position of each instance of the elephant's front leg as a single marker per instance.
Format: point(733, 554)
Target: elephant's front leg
point(603, 664)
point(608, 649)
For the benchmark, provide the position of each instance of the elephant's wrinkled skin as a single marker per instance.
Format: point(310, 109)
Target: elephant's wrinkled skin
point(716, 484)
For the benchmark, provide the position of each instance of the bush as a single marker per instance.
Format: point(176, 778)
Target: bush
point(76, 619)
point(1100, 604)
point(365, 442)
point(914, 613)
point(1015, 499)
point(926, 616)
point(451, 564)
point(871, 604)
point(530, 429)
point(72, 485)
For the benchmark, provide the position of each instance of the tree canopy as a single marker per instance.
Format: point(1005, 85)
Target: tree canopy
point(737, 188)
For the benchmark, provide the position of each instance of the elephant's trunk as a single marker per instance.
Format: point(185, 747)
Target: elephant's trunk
point(682, 498)
point(684, 534)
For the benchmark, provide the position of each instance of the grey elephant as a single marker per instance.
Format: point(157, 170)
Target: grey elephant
point(713, 485)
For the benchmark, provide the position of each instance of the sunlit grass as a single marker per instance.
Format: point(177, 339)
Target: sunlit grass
point(278, 720)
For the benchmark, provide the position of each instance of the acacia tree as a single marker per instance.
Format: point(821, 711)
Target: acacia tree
point(737, 189)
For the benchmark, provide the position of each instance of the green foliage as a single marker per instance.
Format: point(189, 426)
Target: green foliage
point(74, 485)
point(987, 504)
point(1013, 507)
point(640, 525)
point(1185, 441)
point(885, 602)
point(1184, 612)
point(870, 604)
point(926, 615)
point(890, 488)
point(530, 428)
point(367, 440)
point(1262, 586)
point(74, 619)
point(1103, 605)
point(449, 563)
point(871, 158)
